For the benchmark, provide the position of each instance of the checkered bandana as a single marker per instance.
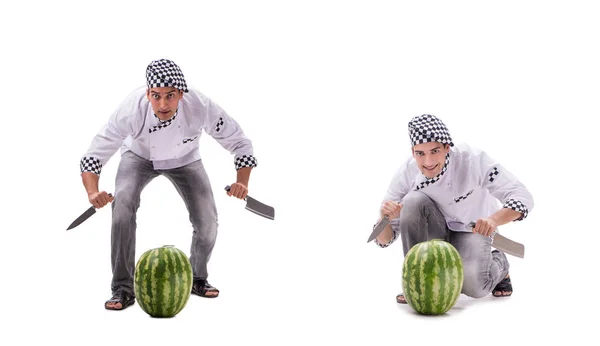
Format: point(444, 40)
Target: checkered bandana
point(165, 73)
point(428, 128)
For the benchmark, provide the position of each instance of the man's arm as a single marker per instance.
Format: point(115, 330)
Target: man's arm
point(487, 226)
point(392, 210)
point(504, 216)
point(90, 182)
point(228, 133)
point(401, 184)
point(104, 145)
point(243, 175)
point(516, 200)
point(240, 188)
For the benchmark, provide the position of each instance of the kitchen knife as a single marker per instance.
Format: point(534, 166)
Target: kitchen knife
point(86, 215)
point(257, 207)
point(379, 228)
point(504, 244)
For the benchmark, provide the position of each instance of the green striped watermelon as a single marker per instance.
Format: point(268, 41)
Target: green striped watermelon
point(163, 281)
point(432, 277)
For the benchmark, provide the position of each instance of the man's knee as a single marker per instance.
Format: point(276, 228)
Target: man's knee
point(123, 201)
point(206, 230)
point(415, 200)
point(412, 205)
point(125, 205)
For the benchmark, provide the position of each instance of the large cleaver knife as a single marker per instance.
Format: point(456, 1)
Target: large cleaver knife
point(257, 207)
point(504, 244)
point(86, 215)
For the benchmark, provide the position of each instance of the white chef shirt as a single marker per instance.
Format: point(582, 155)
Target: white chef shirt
point(168, 144)
point(472, 185)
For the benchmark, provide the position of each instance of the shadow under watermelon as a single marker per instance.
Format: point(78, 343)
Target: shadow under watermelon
point(464, 302)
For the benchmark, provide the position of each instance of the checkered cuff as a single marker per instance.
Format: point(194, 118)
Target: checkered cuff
point(517, 206)
point(245, 161)
point(394, 236)
point(90, 164)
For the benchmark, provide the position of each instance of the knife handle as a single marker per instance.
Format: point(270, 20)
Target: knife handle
point(110, 194)
point(472, 225)
point(227, 188)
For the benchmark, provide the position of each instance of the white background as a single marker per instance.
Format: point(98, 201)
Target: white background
point(325, 90)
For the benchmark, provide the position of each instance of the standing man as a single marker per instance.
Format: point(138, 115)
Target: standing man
point(442, 188)
point(158, 129)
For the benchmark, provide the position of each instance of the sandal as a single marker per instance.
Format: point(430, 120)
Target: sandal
point(201, 287)
point(503, 286)
point(122, 297)
point(400, 299)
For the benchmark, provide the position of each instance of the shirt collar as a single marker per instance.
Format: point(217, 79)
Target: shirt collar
point(430, 181)
point(163, 123)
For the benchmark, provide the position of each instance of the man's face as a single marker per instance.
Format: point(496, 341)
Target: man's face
point(164, 101)
point(430, 157)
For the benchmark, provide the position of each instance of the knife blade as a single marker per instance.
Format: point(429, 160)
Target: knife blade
point(504, 244)
point(257, 207)
point(86, 215)
point(379, 227)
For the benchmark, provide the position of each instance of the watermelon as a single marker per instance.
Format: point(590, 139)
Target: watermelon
point(163, 281)
point(432, 277)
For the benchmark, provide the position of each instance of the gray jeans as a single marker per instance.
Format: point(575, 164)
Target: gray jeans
point(421, 220)
point(191, 181)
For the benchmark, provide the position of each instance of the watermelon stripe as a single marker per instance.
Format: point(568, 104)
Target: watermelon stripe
point(178, 294)
point(413, 280)
point(162, 288)
point(184, 281)
point(422, 278)
point(438, 280)
point(430, 280)
point(172, 287)
point(156, 289)
point(187, 281)
point(148, 292)
point(177, 302)
point(457, 274)
point(153, 282)
point(181, 298)
point(141, 266)
point(145, 282)
point(448, 285)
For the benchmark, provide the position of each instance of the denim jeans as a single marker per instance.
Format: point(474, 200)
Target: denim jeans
point(192, 184)
point(421, 220)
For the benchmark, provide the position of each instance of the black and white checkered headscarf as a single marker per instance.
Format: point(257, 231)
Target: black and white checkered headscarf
point(428, 128)
point(165, 73)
